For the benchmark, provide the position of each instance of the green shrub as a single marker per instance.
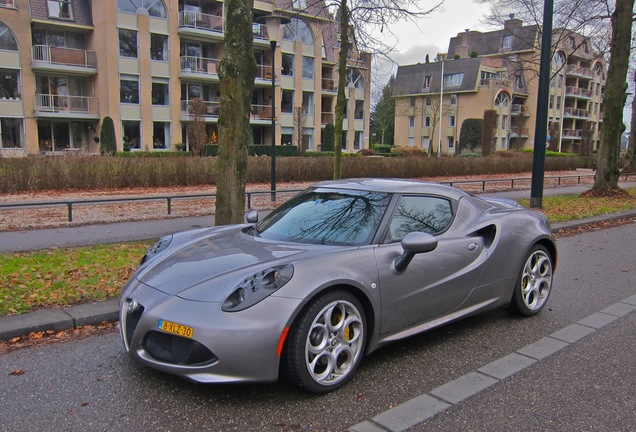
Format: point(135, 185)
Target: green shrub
point(108, 142)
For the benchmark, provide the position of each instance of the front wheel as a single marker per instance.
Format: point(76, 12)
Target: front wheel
point(326, 343)
point(534, 284)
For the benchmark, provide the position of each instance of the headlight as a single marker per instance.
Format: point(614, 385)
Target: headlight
point(255, 288)
point(155, 249)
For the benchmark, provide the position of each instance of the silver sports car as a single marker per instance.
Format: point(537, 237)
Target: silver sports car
point(337, 271)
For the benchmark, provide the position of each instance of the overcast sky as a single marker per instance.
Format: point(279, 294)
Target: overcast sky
point(434, 32)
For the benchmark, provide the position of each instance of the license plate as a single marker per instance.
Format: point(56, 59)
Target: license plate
point(175, 328)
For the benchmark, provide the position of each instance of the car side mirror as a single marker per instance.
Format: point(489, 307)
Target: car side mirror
point(414, 243)
point(252, 217)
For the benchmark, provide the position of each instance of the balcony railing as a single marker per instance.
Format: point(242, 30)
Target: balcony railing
point(578, 91)
point(212, 109)
point(66, 104)
point(201, 65)
point(578, 70)
point(519, 132)
point(64, 56)
point(576, 112)
point(571, 133)
point(517, 109)
point(261, 112)
point(201, 21)
point(326, 117)
point(329, 84)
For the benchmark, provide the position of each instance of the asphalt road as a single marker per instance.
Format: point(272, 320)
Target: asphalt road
point(588, 385)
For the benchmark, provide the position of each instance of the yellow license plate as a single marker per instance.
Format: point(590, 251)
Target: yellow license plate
point(175, 328)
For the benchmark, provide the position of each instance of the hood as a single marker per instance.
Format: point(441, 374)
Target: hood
point(230, 253)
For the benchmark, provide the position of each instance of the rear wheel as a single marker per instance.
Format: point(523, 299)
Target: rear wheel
point(326, 343)
point(534, 283)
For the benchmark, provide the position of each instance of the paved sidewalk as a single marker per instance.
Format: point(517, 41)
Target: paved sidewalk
point(97, 312)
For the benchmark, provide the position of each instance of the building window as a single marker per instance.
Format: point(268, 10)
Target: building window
point(453, 80)
point(412, 101)
point(572, 42)
point(354, 79)
point(453, 99)
point(299, 4)
point(427, 81)
point(504, 122)
point(558, 102)
point(428, 101)
point(60, 9)
point(502, 100)
point(308, 139)
point(359, 110)
point(450, 141)
point(10, 133)
point(451, 121)
point(308, 67)
point(287, 101)
point(411, 121)
point(551, 103)
point(9, 84)
point(129, 89)
point(127, 43)
point(7, 3)
point(504, 143)
point(506, 42)
point(155, 8)
point(287, 136)
point(427, 121)
point(7, 40)
point(160, 133)
point(287, 68)
point(132, 132)
point(344, 140)
point(411, 141)
point(308, 103)
point(358, 142)
point(158, 47)
point(298, 30)
point(160, 92)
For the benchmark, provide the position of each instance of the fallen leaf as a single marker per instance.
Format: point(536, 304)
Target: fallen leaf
point(17, 372)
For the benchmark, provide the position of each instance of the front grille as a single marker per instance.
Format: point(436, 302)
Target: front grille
point(176, 349)
point(132, 319)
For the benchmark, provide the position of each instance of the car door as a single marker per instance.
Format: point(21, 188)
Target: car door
point(435, 283)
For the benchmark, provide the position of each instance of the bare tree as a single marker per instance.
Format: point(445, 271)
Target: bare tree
point(606, 179)
point(630, 165)
point(359, 23)
point(383, 113)
point(237, 73)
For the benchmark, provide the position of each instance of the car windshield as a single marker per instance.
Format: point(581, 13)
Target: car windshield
point(327, 216)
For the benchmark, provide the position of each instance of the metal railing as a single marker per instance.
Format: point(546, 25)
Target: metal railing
point(64, 56)
point(169, 199)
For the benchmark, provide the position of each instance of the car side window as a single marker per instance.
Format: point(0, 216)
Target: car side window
point(431, 215)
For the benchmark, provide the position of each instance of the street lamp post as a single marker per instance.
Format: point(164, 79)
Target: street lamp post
point(274, 25)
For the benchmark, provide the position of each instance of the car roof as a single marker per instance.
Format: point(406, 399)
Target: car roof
point(394, 186)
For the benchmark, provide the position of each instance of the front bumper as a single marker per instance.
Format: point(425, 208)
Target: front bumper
point(225, 347)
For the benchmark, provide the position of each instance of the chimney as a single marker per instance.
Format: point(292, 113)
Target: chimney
point(513, 22)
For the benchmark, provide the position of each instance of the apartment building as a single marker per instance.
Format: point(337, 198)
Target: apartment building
point(67, 64)
point(499, 71)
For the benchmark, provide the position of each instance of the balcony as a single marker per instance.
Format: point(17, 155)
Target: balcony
point(328, 85)
point(326, 118)
point(198, 21)
point(49, 105)
point(212, 110)
point(578, 92)
point(571, 133)
point(199, 66)
point(52, 58)
point(576, 112)
point(518, 132)
point(579, 71)
point(519, 110)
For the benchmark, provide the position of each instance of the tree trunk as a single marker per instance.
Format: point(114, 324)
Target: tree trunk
point(341, 100)
point(236, 72)
point(615, 92)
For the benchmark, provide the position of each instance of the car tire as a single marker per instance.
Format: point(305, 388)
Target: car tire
point(326, 343)
point(534, 283)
